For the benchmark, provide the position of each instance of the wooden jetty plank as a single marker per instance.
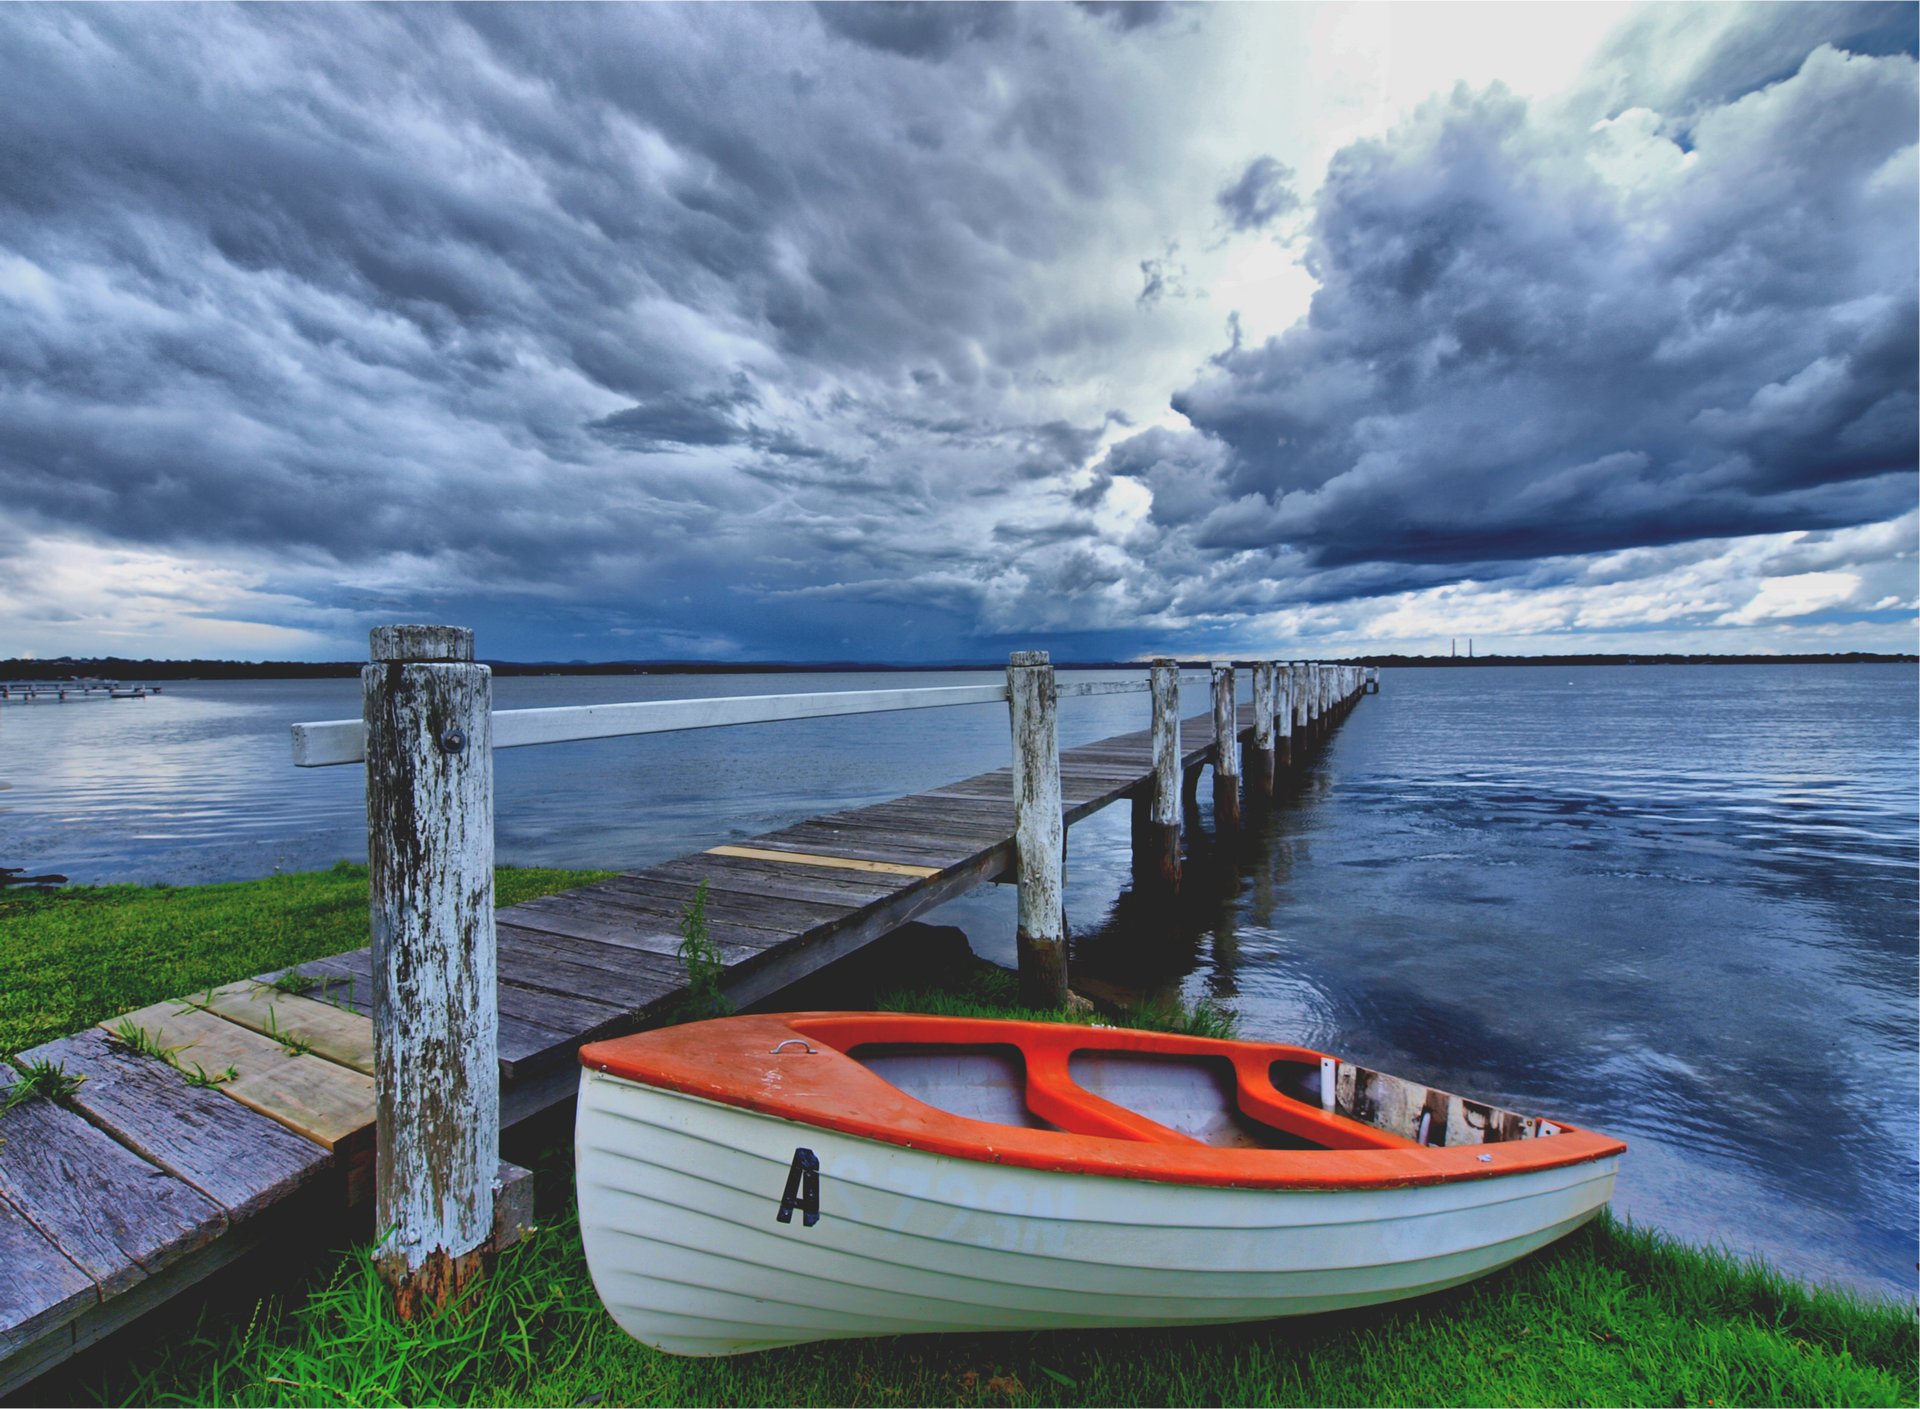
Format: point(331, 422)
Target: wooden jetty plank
point(523, 1037)
point(924, 822)
point(333, 1033)
point(740, 876)
point(734, 920)
point(116, 1216)
point(840, 863)
point(759, 920)
point(767, 973)
point(329, 1104)
point(238, 1158)
point(781, 914)
point(42, 1288)
point(870, 844)
point(601, 975)
point(632, 918)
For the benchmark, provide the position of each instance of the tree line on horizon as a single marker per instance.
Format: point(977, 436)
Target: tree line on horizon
point(66, 667)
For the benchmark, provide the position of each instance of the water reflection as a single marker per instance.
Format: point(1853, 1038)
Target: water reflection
point(1693, 928)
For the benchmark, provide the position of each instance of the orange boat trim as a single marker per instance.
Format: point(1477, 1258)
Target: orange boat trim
point(740, 1062)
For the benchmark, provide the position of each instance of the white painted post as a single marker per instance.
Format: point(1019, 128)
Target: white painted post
point(428, 715)
point(1040, 830)
point(1260, 760)
point(1157, 860)
point(1284, 686)
point(1226, 750)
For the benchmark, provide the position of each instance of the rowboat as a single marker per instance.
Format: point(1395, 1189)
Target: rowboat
point(760, 1181)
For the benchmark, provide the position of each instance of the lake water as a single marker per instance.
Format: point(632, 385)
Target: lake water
point(1676, 904)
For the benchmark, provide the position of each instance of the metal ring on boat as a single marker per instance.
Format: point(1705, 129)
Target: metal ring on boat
point(788, 1043)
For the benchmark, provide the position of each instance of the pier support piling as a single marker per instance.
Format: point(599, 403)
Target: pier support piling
point(1283, 717)
point(1258, 762)
point(1040, 830)
point(429, 732)
point(1156, 840)
point(1226, 751)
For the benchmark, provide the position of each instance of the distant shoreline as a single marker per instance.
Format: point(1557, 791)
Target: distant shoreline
point(116, 667)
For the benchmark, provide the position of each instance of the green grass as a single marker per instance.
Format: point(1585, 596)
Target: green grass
point(70, 958)
point(1611, 1315)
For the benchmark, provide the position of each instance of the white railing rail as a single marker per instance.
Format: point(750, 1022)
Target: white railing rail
point(336, 741)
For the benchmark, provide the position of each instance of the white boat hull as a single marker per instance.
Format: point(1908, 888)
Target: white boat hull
point(678, 1197)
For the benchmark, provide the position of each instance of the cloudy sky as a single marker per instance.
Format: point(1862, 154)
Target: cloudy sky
point(926, 332)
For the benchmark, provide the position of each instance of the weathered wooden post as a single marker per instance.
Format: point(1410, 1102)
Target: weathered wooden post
point(429, 723)
point(1040, 830)
point(1226, 750)
point(1156, 856)
point(1259, 760)
point(1283, 716)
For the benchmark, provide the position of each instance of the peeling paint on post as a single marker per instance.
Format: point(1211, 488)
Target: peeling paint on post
point(428, 714)
point(1040, 830)
point(1283, 716)
point(1226, 750)
point(1156, 860)
point(1259, 760)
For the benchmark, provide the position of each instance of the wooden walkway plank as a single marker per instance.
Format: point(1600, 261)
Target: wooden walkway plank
point(117, 1217)
point(631, 918)
point(865, 844)
point(786, 914)
point(327, 1103)
point(587, 971)
point(42, 1288)
point(523, 1037)
point(744, 876)
point(334, 1033)
point(238, 1158)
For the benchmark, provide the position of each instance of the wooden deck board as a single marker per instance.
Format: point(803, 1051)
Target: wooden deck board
point(334, 1033)
point(42, 1289)
point(237, 1157)
point(327, 1103)
point(115, 1216)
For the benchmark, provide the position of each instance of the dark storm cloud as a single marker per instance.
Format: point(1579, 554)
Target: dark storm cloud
point(917, 28)
point(1129, 14)
point(501, 299)
point(677, 420)
point(1259, 196)
point(1531, 342)
point(1749, 49)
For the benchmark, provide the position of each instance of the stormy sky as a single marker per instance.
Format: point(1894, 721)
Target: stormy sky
point(924, 332)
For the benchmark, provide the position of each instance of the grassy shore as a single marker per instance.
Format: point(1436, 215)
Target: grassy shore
point(69, 958)
point(1612, 1315)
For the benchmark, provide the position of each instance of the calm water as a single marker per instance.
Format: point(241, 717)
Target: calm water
point(1678, 904)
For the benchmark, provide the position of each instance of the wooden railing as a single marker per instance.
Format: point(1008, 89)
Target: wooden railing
point(427, 735)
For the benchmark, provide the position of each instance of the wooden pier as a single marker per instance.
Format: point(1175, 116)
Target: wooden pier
point(19, 692)
point(220, 1121)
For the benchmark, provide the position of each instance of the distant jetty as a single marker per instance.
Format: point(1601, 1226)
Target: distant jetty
point(69, 690)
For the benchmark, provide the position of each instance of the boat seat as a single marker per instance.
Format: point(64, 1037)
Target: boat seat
point(1054, 1096)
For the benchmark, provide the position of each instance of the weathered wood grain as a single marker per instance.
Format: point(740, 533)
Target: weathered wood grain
point(237, 1157)
point(334, 1033)
point(428, 713)
point(329, 1104)
point(117, 1217)
point(41, 1288)
point(1040, 831)
point(745, 876)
